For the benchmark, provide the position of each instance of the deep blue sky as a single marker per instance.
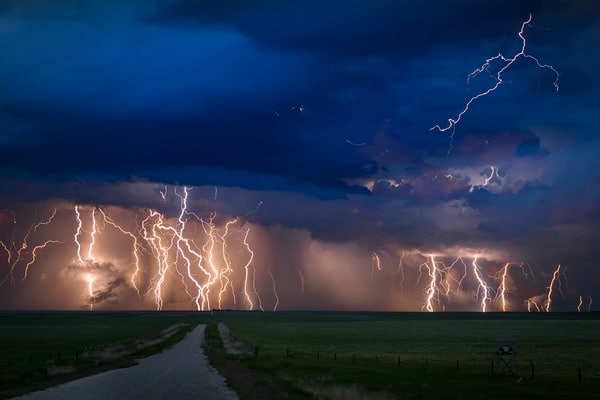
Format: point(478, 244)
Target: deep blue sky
point(322, 111)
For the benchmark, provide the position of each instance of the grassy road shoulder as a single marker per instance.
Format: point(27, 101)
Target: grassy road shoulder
point(37, 374)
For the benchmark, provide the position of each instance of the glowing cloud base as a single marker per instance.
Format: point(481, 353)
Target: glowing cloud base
point(107, 257)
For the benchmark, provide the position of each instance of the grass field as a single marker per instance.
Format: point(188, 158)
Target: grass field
point(417, 355)
point(331, 354)
point(38, 349)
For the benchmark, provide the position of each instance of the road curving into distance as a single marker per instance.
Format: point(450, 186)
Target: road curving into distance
point(181, 372)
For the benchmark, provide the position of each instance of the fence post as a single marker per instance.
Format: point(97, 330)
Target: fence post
point(457, 365)
point(375, 358)
point(317, 355)
point(532, 370)
point(354, 358)
point(579, 375)
point(334, 356)
point(398, 359)
point(492, 367)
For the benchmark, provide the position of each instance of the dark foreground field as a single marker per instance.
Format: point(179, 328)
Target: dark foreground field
point(40, 349)
point(331, 354)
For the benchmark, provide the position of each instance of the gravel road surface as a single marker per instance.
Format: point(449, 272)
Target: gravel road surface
point(181, 372)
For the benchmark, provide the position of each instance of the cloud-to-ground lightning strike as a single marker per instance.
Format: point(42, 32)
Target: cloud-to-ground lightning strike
point(226, 271)
point(485, 67)
point(482, 286)
point(93, 233)
point(78, 233)
point(192, 259)
point(274, 290)
point(7, 250)
point(205, 270)
point(441, 280)
point(90, 290)
point(555, 280)
point(432, 290)
point(137, 248)
point(247, 271)
point(401, 271)
point(503, 277)
point(531, 302)
point(301, 277)
point(260, 306)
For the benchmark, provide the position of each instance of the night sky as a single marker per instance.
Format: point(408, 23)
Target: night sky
point(311, 122)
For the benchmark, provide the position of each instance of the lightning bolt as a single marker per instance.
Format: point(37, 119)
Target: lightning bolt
point(375, 263)
point(274, 290)
point(301, 280)
point(205, 269)
point(485, 67)
point(93, 233)
point(34, 255)
point(90, 286)
point(440, 280)
point(260, 307)
point(136, 248)
point(503, 276)
point(432, 288)
point(246, 269)
point(260, 203)
point(531, 302)
point(7, 250)
point(164, 239)
point(22, 251)
point(47, 222)
point(225, 273)
point(458, 282)
point(198, 252)
point(208, 248)
point(184, 244)
point(160, 250)
point(401, 272)
point(482, 286)
point(555, 280)
point(491, 177)
point(78, 233)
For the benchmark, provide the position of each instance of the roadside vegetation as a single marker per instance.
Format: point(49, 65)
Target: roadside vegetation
point(42, 349)
point(322, 355)
point(421, 356)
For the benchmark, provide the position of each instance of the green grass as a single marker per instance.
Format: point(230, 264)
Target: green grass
point(441, 355)
point(38, 349)
point(305, 355)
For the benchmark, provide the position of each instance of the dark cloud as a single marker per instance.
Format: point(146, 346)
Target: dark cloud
point(318, 111)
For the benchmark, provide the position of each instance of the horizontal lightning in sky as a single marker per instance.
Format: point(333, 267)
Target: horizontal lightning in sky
point(505, 63)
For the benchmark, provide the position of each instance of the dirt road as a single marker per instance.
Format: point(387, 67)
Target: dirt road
point(181, 372)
